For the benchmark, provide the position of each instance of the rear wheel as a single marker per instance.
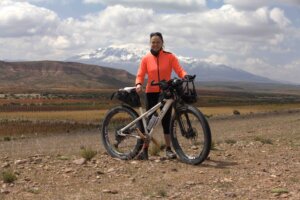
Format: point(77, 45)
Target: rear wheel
point(124, 146)
point(190, 135)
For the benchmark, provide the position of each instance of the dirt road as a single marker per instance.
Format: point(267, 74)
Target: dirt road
point(254, 157)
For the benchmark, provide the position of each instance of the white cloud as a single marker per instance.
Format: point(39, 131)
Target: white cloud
point(217, 59)
point(19, 19)
point(289, 72)
point(286, 73)
point(277, 15)
point(244, 38)
point(225, 30)
point(215, 31)
point(114, 25)
point(254, 4)
point(178, 5)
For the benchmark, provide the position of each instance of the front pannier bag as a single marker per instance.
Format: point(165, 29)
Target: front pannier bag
point(189, 93)
point(128, 96)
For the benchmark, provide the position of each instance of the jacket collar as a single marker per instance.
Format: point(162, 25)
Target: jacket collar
point(155, 53)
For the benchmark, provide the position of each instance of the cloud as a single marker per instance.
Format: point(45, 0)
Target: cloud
point(113, 25)
point(178, 5)
point(217, 59)
point(251, 39)
point(226, 30)
point(277, 15)
point(286, 73)
point(255, 4)
point(62, 38)
point(215, 31)
point(18, 19)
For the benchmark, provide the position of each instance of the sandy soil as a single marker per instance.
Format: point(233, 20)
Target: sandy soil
point(255, 157)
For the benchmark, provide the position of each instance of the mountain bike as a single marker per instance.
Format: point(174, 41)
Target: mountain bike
point(125, 132)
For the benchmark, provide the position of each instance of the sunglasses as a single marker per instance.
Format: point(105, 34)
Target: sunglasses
point(156, 34)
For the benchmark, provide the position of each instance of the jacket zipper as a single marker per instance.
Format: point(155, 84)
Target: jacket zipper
point(158, 69)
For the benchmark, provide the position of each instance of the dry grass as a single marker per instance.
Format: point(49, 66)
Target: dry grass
point(22, 123)
point(97, 115)
point(82, 116)
point(228, 110)
point(24, 128)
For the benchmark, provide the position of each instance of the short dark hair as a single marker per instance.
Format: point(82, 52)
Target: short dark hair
point(157, 34)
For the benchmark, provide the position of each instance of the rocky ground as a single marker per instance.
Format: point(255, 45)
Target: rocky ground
point(254, 157)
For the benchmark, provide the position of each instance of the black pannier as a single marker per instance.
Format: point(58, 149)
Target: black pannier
point(188, 92)
point(129, 97)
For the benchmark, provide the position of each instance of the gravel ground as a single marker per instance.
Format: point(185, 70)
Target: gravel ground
point(254, 157)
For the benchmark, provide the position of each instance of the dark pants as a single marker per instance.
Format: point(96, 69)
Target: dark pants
point(152, 100)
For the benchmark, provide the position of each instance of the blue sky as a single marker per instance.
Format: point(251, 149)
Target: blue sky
point(258, 36)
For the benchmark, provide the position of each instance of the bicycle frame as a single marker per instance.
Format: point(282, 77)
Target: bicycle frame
point(143, 115)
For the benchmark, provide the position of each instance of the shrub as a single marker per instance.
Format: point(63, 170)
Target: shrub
point(88, 154)
point(154, 150)
point(236, 112)
point(7, 138)
point(230, 141)
point(279, 190)
point(208, 116)
point(60, 157)
point(162, 192)
point(8, 177)
point(263, 140)
point(213, 146)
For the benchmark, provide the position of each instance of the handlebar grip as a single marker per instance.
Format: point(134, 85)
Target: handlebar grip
point(190, 77)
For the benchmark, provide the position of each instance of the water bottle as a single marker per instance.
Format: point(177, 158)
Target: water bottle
point(152, 122)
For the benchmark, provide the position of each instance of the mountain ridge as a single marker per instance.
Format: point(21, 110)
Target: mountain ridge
point(55, 76)
point(129, 58)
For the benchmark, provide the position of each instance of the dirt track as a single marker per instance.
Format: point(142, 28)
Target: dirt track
point(255, 157)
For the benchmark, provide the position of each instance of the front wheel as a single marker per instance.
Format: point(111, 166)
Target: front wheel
point(124, 146)
point(190, 135)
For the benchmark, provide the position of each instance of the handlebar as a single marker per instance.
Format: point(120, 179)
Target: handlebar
point(189, 77)
point(163, 84)
point(174, 82)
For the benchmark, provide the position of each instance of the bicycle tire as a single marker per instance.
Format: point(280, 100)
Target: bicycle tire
point(188, 126)
point(115, 119)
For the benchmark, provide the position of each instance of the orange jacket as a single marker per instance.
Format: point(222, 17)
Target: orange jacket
point(158, 68)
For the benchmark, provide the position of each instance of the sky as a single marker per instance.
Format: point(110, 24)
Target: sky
point(258, 36)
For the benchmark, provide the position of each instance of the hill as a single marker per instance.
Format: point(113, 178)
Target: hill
point(55, 75)
point(50, 76)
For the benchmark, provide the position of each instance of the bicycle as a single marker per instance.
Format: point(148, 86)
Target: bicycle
point(125, 132)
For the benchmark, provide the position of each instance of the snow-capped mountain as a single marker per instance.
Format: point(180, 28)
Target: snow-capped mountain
point(115, 57)
point(129, 59)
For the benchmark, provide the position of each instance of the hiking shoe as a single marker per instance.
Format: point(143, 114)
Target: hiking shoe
point(170, 154)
